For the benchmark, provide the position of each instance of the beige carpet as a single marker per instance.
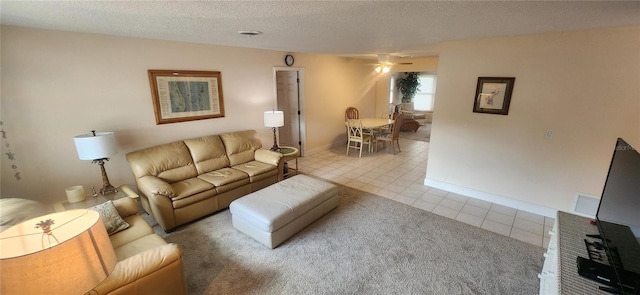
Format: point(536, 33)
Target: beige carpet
point(422, 134)
point(367, 245)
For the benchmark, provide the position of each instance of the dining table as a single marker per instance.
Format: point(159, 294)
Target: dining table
point(374, 123)
point(371, 126)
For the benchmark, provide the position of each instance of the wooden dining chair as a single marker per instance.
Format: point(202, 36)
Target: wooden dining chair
point(393, 137)
point(351, 113)
point(357, 137)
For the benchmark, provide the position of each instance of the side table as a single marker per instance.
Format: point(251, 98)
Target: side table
point(289, 153)
point(90, 201)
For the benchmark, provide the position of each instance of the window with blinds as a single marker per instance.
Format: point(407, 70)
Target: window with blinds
point(424, 99)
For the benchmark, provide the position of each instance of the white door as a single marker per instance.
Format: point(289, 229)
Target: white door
point(288, 96)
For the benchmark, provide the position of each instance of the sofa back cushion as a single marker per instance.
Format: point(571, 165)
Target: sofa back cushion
point(170, 162)
point(241, 146)
point(208, 153)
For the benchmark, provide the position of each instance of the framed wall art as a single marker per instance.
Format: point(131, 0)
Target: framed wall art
point(180, 96)
point(493, 95)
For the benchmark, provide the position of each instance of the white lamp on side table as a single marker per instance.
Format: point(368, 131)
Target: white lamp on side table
point(98, 147)
point(274, 119)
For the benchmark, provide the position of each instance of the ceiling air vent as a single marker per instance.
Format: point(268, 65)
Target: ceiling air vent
point(250, 33)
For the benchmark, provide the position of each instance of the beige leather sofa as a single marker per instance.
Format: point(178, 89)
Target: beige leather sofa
point(185, 180)
point(146, 263)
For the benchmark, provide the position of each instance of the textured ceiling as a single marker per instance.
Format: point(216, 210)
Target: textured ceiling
point(348, 28)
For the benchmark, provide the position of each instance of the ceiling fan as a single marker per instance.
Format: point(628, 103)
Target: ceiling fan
point(385, 61)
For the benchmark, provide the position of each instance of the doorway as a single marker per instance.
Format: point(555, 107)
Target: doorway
point(289, 84)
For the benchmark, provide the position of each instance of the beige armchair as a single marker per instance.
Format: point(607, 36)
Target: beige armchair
point(146, 263)
point(422, 117)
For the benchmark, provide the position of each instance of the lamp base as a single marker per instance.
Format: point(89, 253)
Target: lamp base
point(107, 188)
point(275, 146)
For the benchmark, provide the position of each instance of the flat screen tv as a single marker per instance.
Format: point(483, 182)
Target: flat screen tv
point(618, 215)
point(620, 200)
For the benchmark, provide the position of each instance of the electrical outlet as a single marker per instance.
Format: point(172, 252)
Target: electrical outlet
point(548, 134)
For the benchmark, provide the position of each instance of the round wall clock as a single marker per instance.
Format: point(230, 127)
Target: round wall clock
point(288, 60)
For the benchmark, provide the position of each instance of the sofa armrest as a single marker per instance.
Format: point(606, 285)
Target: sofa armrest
point(156, 186)
point(126, 206)
point(269, 157)
point(156, 195)
point(156, 271)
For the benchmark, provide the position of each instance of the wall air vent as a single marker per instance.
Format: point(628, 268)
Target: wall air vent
point(585, 205)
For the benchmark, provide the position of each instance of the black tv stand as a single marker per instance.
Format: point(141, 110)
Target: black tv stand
point(605, 274)
point(610, 290)
point(597, 237)
point(560, 274)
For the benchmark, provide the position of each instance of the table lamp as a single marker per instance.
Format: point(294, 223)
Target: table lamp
point(274, 119)
point(60, 253)
point(97, 147)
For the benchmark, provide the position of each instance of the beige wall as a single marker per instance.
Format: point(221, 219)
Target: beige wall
point(582, 85)
point(56, 85)
point(337, 83)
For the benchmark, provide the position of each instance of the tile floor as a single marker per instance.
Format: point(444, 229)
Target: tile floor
point(401, 179)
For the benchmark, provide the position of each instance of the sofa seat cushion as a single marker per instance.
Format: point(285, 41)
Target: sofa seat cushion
point(226, 179)
point(194, 199)
point(140, 245)
point(190, 187)
point(138, 228)
point(257, 170)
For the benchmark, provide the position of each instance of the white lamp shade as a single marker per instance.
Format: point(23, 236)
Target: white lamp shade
point(81, 258)
point(274, 119)
point(90, 147)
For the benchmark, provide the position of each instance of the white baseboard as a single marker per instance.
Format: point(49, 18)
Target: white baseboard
point(325, 148)
point(500, 200)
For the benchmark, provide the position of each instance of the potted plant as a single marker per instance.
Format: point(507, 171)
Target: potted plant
point(408, 86)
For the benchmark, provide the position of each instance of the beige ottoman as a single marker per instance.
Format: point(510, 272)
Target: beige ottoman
point(275, 213)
